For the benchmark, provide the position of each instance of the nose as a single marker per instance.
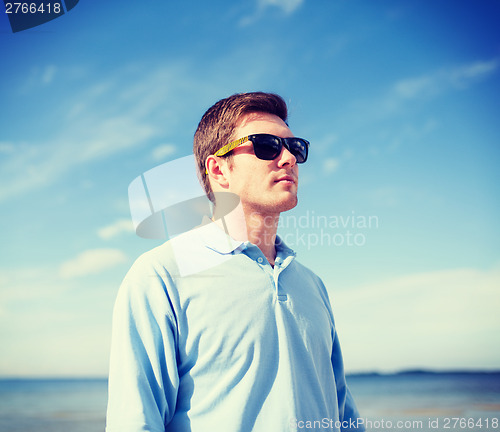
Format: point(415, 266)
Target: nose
point(286, 158)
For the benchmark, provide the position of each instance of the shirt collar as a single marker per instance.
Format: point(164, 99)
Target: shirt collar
point(282, 248)
point(218, 240)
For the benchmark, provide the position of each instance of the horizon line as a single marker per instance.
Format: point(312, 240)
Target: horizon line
point(409, 371)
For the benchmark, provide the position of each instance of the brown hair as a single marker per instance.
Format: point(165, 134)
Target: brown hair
point(219, 122)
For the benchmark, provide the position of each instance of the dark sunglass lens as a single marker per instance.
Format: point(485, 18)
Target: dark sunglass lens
point(298, 148)
point(266, 147)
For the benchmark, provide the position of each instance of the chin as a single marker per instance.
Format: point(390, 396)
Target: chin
point(287, 204)
point(274, 205)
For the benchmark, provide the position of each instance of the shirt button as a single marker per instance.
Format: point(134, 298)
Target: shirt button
point(260, 260)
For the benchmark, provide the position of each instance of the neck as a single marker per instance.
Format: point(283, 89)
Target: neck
point(258, 228)
point(261, 230)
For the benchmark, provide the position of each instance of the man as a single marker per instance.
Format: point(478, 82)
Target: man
point(220, 328)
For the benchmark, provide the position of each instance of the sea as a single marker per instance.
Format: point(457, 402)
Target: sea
point(408, 401)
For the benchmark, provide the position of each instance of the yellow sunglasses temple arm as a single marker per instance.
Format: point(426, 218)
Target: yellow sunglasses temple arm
point(231, 146)
point(228, 147)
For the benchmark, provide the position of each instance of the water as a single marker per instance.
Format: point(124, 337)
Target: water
point(427, 402)
point(53, 405)
point(421, 400)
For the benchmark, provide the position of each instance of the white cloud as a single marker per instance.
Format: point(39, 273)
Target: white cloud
point(113, 114)
point(464, 75)
point(119, 227)
point(405, 92)
point(106, 118)
point(409, 133)
point(130, 108)
point(161, 152)
point(41, 164)
point(289, 6)
point(330, 165)
point(441, 80)
point(48, 74)
point(23, 285)
point(66, 322)
point(38, 76)
point(92, 261)
point(442, 319)
point(6, 148)
point(323, 144)
point(385, 196)
point(411, 87)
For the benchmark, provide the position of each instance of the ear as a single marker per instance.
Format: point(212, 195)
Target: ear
point(217, 170)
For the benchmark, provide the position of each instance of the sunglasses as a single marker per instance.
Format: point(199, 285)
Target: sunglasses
point(268, 147)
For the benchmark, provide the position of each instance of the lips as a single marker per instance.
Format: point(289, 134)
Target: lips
point(286, 178)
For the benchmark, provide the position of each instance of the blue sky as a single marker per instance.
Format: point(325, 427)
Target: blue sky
point(399, 100)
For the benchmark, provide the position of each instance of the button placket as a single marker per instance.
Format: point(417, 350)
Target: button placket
point(272, 272)
point(281, 295)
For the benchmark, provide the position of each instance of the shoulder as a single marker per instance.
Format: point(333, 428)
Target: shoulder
point(308, 273)
point(169, 262)
point(168, 256)
point(314, 281)
point(154, 262)
point(148, 287)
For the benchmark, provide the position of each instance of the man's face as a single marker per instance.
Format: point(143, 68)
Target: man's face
point(267, 187)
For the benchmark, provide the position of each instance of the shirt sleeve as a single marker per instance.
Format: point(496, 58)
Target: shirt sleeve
point(348, 412)
point(143, 376)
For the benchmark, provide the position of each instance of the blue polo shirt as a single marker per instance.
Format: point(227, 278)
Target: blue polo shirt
point(207, 336)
